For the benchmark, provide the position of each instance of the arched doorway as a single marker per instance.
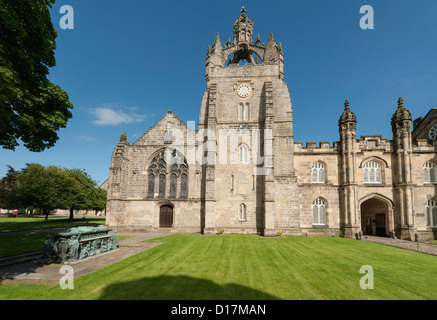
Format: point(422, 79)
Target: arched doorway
point(166, 216)
point(375, 217)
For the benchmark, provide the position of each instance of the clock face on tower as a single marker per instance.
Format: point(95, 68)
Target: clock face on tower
point(243, 90)
point(433, 133)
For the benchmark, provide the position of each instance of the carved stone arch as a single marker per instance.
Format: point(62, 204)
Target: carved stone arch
point(377, 215)
point(378, 196)
point(243, 51)
point(377, 159)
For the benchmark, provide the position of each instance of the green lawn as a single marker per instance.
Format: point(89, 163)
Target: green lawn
point(30, 223)
point(17, 244)
point(250, 268)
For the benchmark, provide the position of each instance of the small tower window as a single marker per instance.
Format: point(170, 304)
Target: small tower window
point(242, 212)
point(429, 172)
point(372, 172)
point(243, 112)
point(318, 173)
point(244, 154)
point(240, 112)
point(246, 112)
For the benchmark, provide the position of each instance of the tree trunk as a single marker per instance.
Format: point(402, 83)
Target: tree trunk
point(46, 212)
point(71, 214)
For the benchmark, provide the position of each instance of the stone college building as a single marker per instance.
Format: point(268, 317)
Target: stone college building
point(242, 171)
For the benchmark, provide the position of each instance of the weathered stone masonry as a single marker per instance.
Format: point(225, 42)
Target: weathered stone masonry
point(241, 169)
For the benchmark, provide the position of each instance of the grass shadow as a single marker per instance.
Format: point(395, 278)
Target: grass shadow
point(180, 288)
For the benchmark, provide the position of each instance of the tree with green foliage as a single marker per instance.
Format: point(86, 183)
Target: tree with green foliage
point(45, 188)
point(89, 196)
point(8, 190)
point(99, 200)
point(32, 109)
point(50, 188)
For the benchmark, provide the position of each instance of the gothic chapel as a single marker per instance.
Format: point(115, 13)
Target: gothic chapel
point(242, 171)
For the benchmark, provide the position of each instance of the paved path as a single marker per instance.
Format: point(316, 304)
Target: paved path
point(404, 244)
point(34, 272)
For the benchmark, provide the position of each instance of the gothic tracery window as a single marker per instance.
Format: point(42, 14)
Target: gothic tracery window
point(429, 172)
point(431, 213)
point(319, 214)
point(372, 172)
point(168, 168)
point(318, 173)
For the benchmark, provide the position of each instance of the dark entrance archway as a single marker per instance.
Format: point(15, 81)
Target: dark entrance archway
point(374, 217)
point(166, 216)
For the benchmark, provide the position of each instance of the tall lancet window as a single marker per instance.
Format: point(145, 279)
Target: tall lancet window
point(429, 172)
point(318, 173)
point(243, 112)
point(151, 186)
point(244, 154)
point(242, 212)
point(240, 112)
point(246, 112)
point(161, 186)
point(431, 213)
point(319, 214)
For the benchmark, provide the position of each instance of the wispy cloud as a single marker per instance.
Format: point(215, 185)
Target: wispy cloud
point(87, 138)
point(108, 116)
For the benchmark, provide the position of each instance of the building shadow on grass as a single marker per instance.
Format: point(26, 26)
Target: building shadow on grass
point(180, 288)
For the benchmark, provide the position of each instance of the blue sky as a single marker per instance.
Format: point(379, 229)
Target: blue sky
point(126, 63)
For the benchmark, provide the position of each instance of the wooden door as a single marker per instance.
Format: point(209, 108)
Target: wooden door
point(166, 217)
point(380, 225)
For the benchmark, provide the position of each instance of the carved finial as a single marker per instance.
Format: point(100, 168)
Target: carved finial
point(209, 50)
point(243, 10)
point(258, 40)
point(217, 43)
point(346, 105)
point(280, 47)
point(400, 103)
point(228, 44)
point(271, 36)
point(123, 137)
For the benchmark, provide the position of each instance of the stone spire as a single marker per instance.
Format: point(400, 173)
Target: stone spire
point(348, 115)
point(401, 113)
point(217, 57)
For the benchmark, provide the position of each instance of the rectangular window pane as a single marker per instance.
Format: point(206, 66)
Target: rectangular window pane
point(321, 175)
point(426, 176)
point(432, 175)
point(322, 215)
point(315, 176)
point(434, 217)
point(315, 215)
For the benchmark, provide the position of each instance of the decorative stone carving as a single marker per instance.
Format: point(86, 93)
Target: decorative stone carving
point(78, 243)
